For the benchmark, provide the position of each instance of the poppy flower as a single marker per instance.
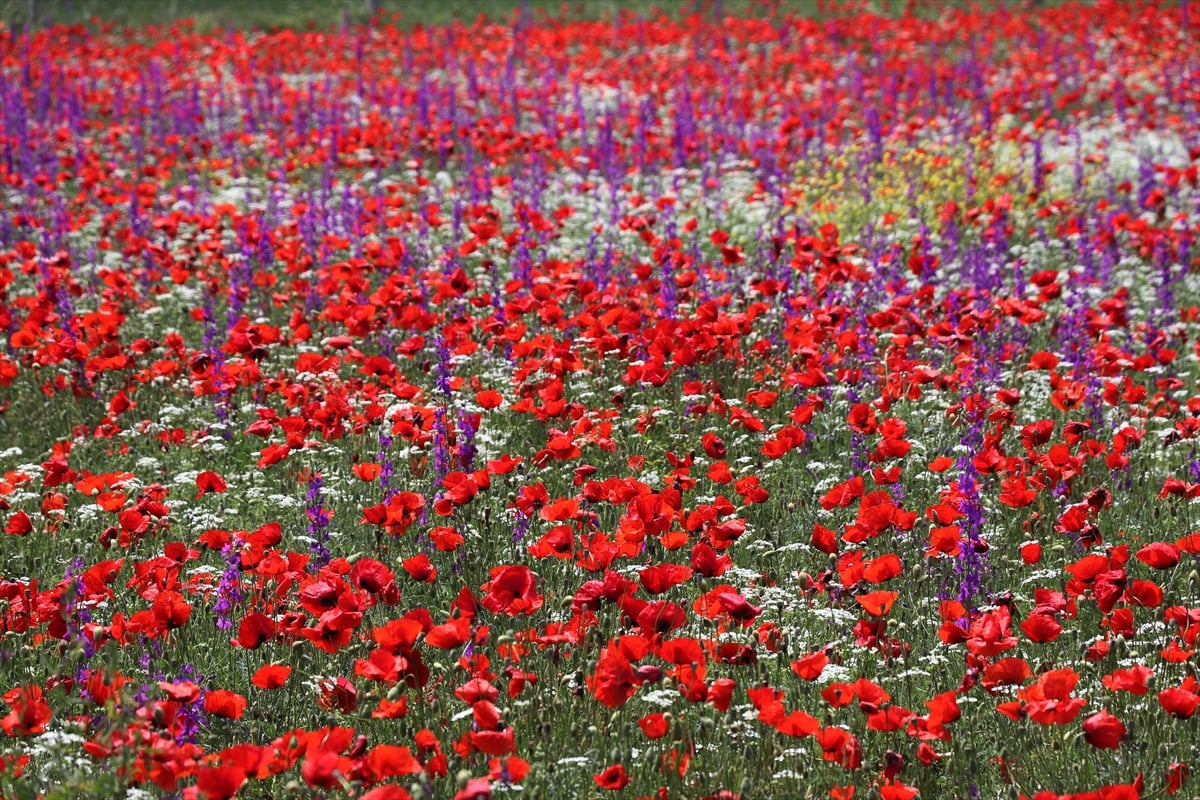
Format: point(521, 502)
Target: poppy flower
point(19, 524)
point(841, 747)
point(512, 769)
point(420, 568)
point(512, 590)
point(612, 683)
point(704, 559)
point(654, 725)
point(475, 789)
point(1133, 680)
point(878, 603)
point(612, 778)
point(220, 782)
point(895, 790)
point(661, 577)
point(224, 703)
point(843, 494)
point(1179, 701)
point(271, 676)
point(324, 769)
point(1005, 671)
point(254, 630)
point(449, 635)
point(1177, 775)
point(1041, 628)
point(388, 791)
point(944, 707)
point(811, 666)
point(1104, 731)
point(493, 742)
point(30, 712)
point(366, 471)
point(824, 539)
point(209, 482)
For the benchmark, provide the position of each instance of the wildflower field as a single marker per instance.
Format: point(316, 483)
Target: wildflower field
point(691, 405)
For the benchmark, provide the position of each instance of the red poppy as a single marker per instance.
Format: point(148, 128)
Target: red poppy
point(878, 603)
point(221, 782)
point(449, 635)
point(811, 666)
point(612, 778)
point(512, 590)
point(1041, 628)
point(1104, 731)
point(1179, 701)
point(944, 707)
point(654, 725)
point(30, 711)
point(255, 629)
point(420, 568)
point(19, 524)
point(324, 769)
point(367, 471)
point(494, 742)
point(224, 703)
point(843, 494)
point(1133, 680)
point(209, 482)
point(704, 559)
point(841, 747)
point(475, 789)
point(1177, 775)
point(661, 577)
point(1159, 555)
point(386, 792)
point(824, 539)
point(882, 569)
point(613, 681)
point(1005, 671)
point(895, 790)
point(271, 676)
point(184, 692)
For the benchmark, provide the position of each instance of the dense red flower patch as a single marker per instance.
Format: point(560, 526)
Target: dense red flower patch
point(665, 407)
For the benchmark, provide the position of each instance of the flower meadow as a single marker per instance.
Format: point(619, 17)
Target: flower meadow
point(704, 405)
